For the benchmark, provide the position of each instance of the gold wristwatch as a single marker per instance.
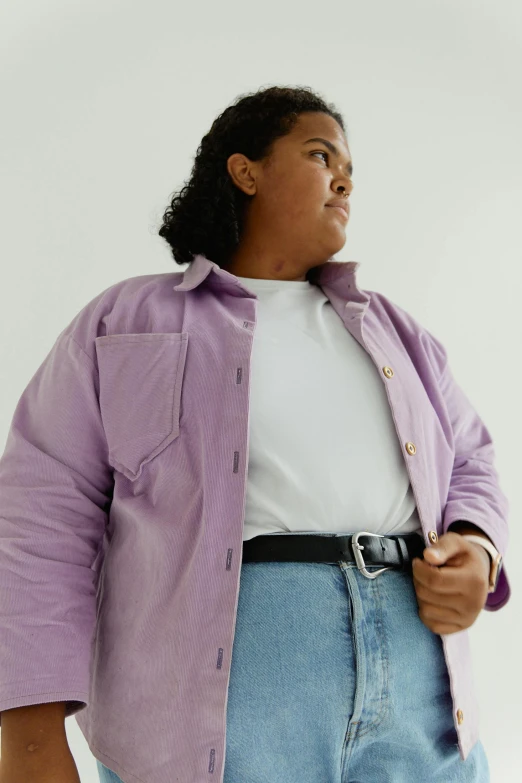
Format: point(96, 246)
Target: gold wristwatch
point(496, 559)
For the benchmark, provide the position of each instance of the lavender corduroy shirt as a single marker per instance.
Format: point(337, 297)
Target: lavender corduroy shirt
point(122, 492)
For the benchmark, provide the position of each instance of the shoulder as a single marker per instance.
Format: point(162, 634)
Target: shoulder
point(119, 302)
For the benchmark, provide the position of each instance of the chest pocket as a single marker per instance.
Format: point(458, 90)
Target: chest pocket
point(141, 378)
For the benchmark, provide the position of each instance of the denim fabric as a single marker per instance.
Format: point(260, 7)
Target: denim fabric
point(335, 679)
point(106, 775)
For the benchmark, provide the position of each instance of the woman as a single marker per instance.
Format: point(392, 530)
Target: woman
point(345, 634)
point(271, 217)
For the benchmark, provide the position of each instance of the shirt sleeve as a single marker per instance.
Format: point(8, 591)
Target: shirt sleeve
point(55, 492)
point(474, 493)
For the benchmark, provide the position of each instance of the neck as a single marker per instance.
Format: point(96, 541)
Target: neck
point(267, 265)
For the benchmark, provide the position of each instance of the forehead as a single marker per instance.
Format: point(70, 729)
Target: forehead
point(313, 124)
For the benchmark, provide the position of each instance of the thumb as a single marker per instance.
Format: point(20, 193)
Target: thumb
point(446, 547)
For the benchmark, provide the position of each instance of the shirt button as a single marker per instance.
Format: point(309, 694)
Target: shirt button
point(433, 537)
point(460, 716)
point(410, 448)
point(388, 372)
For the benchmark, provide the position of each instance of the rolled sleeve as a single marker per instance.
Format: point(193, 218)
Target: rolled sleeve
point(55, 492)
point(474, 493)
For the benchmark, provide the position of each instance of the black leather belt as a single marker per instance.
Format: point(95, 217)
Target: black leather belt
point(362, 548)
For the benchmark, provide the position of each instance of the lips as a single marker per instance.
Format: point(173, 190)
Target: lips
point(339, 202)
point(341, 209)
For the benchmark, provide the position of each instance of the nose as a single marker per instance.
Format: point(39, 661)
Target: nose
point(344, 189)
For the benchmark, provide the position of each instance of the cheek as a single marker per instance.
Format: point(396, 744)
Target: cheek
point(299, 196)
point(292, 209)
point(305, 208)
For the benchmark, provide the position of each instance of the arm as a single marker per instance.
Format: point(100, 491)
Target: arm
point(34, 745)
point(474, 491)
point(468, 527)
point(55, 491)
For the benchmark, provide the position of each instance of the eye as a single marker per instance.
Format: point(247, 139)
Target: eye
point(321, 152)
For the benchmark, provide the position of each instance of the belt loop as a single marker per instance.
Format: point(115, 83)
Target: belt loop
point(405, 555)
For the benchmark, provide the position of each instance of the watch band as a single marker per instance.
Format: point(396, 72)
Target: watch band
point(496, 559)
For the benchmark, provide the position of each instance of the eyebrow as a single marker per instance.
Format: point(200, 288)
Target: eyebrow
point(333, 149)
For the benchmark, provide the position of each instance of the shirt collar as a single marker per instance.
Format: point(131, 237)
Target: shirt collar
point(337, 276)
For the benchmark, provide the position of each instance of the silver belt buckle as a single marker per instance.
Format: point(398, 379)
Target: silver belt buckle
point(361, 565)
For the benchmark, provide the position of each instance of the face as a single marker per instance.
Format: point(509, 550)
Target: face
point(288, 214)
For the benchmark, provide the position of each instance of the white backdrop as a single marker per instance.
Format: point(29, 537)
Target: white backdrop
point(104, 104)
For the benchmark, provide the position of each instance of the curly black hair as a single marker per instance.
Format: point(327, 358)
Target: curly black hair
point(207, 215)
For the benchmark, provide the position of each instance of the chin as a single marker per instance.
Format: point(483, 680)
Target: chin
point(334, 248)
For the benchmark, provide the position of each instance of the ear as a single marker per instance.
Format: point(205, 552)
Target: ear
point(242, 172)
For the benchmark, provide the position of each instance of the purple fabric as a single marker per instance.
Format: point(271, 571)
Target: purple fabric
point(122, 490)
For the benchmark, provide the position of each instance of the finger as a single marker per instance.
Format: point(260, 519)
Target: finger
point(442, 628)
point(440, 611)
point(442, 580)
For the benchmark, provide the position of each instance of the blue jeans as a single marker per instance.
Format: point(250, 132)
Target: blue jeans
point(335, 679)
